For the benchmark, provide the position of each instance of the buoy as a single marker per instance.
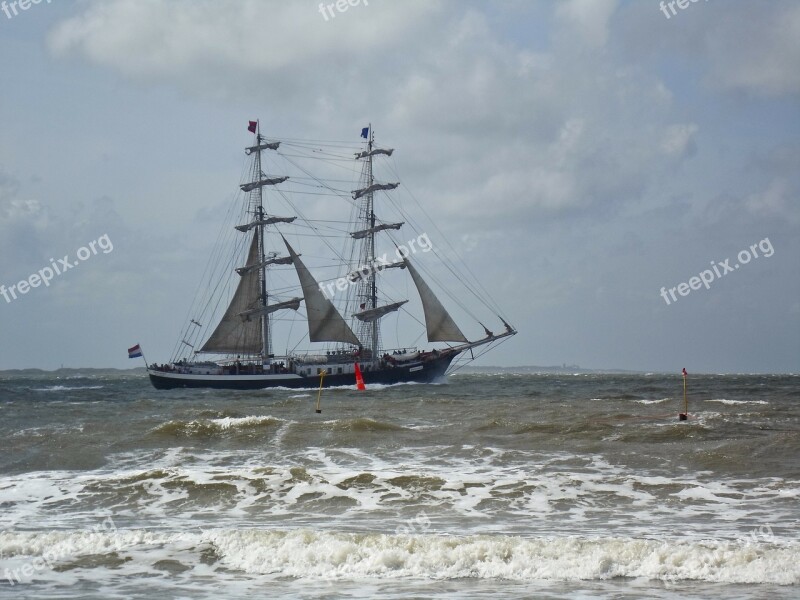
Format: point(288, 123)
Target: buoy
point(359, 378)
point(319, 394)
point(685, 414)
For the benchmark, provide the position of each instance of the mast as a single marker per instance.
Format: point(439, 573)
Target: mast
point(371, 210)
point(368, 331)
point(259, 215)
point(370, 312)
point(245, 326)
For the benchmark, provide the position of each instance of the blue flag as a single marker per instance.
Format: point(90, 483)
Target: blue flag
point(365, 133)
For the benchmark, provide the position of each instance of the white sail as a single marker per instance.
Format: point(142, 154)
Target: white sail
point(233, 335)
point(249, 187)
point(292, 304)
point(365, 232)
point(438, 322)
point(267, 221)
point(325, 324)
point(368, 153)
point(264, 146)
point(371, 314)
point(373, 188)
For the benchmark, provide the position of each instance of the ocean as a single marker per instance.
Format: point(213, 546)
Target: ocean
point(490, 485)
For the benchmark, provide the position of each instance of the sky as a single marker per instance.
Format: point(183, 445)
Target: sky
point(579, 156)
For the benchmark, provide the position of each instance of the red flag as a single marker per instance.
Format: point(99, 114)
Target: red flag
point(252, 126)
point(684, 372)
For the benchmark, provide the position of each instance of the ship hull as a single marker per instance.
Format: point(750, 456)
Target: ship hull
point(428, 371)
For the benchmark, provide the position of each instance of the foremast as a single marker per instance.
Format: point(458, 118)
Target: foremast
point(258, 212)
point(245, 327)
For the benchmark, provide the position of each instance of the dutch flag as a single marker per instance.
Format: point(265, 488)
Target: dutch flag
point(135, 352)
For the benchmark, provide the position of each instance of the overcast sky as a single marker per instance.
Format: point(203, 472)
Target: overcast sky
point(580, 155)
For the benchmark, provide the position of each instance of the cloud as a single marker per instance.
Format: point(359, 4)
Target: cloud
point(586, 21)
point(162, 39)
point(22, 221)
point(773, 201)
point(767, 68)
point(678, 140)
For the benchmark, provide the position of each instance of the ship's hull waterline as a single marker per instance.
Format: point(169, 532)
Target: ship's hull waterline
point(419, 372)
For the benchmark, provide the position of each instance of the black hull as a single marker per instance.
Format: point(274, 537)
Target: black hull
point(425, 372)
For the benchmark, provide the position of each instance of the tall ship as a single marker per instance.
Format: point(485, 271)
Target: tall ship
point(331, 320)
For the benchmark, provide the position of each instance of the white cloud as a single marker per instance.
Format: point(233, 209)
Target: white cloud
point(678, 139)
point(163, 38)
point(766, 68)
point(587, 21)
point(773, 201)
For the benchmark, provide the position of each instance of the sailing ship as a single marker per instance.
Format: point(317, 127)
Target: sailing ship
point(227, 341)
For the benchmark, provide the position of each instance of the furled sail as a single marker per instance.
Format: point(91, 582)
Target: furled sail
point(373, 188)
point(232, 335)
point(249, 187)
point(275, 260)
point(367, 153)
point(373, 314)
point(325, 324)
point(376, 267)
point(365, 232)
point(438, 322)
point(292, 304)
point(267, 221)
point(264, 146)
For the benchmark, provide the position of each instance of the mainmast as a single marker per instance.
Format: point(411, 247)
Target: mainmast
point(266, 347)
point(369, 331)
point(370, 312)
point(374, 279)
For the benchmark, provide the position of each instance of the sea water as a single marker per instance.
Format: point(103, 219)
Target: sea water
point(492, 484)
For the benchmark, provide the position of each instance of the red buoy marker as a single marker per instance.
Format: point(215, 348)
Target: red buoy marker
point(359, 378)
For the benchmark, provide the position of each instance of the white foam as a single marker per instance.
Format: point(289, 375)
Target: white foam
point(306, 554)
point(234, 422)
point(224, 423)
point(734, 402)
point(466, 490)
point(65, 388)
point(343, 556)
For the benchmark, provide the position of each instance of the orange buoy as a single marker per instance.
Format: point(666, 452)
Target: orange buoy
point(359, 378)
